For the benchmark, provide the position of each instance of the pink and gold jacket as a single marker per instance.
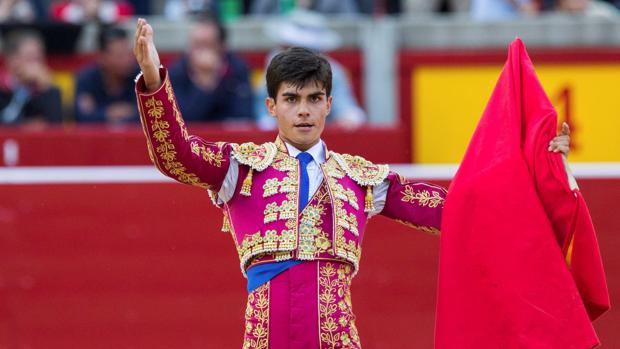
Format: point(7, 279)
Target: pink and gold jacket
point(262, 216)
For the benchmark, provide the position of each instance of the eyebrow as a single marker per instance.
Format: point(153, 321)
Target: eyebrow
point(293, 94)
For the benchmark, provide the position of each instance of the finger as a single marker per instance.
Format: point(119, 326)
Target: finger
point(144, 50)
point(565, 129)
point(138, 29)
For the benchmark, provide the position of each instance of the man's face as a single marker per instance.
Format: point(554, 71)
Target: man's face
point(205, 49)
point(301, 113)
point(117, 58)
point(29, 53)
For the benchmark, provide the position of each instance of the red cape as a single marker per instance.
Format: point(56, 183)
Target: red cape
point(509, 276)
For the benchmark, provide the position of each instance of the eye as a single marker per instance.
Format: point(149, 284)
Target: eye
point(315, 99)
point(290, 99)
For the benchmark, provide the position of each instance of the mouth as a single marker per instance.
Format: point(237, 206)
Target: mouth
point(304, 126)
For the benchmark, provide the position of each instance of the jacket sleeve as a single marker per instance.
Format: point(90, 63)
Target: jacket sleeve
point(186, 158)
point(415, 204)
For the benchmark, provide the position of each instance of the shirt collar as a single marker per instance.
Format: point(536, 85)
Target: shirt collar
point(317, 151)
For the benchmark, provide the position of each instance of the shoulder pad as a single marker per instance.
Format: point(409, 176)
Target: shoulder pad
point(257, 156)
point(361, 170)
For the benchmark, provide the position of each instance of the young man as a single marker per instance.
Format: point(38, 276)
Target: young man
point(295, 210)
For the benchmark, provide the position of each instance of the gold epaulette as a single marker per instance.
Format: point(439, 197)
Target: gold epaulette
point(362, 171)
point(255, 156)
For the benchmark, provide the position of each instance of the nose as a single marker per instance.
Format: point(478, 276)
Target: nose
point(303, 110)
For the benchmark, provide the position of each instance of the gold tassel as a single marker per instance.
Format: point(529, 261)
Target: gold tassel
point(368, 202)
point(246, 187)
point(225, 224)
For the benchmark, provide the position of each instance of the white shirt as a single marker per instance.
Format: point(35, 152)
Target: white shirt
point(315, 176)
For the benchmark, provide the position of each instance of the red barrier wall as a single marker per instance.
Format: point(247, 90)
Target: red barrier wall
point(144, 266)
point(98, 145)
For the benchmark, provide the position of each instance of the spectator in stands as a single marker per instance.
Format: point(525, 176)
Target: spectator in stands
point(81, 11)
point(431, 6)
point(141, 7)
point(582, 7)
point(104, 91)
point(182, 9)
point(211, 84)
point(27, 94)
point(328, 7)
point(308, 29)
point(21, 11)
point(498, 10)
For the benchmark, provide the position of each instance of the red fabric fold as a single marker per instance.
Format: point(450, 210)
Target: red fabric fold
point(509, 275)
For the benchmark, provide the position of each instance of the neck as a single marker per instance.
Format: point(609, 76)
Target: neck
point(302, 147)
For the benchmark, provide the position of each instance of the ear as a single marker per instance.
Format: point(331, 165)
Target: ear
point(329, 104)
point(270, 103)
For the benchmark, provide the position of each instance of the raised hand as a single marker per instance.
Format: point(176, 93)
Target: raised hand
point(561, 143)
point(146, 55)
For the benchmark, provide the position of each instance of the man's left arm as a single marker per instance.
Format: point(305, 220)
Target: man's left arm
point(416, 204)
point(420, 205)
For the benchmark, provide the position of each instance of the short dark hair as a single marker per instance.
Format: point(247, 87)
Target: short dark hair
point(107, 34)
point(298, 66)
point(210, 18)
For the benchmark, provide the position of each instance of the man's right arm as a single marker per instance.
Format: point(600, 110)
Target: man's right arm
point(185, 158)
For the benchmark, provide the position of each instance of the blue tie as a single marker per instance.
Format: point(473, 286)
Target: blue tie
point(304, 182)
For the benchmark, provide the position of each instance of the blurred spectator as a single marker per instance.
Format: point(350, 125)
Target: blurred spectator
point(498, 10)
point(582, 7)
point(21, 11)
point(308, 29)
point(27, 94)
point(105, 91)
point(182, 9)
point(431, 6)
point(81, 11)
point(328, 7)
point(210, 83)
point(141, 7)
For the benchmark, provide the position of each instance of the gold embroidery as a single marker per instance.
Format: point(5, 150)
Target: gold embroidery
point(271, 213)
point(288, 210)
point(336, 320)
point(347, 195)
point(343, 248)
point(225, 223)
point(288, 185)
point(369, 204)
point(258, 157)
point(246, 186)
point(284, 163)
point(308, 227)
point(255, 244)
point(333, 170)
point(362, 171)
point(208, 154)
point(353, 224)
point(155, 108)
point(423, 197)
point(257, 319)
point(271, 187)
point(166, 150)
point(430, 230)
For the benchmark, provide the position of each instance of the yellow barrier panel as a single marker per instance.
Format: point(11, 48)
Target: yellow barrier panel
point(449, 100)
